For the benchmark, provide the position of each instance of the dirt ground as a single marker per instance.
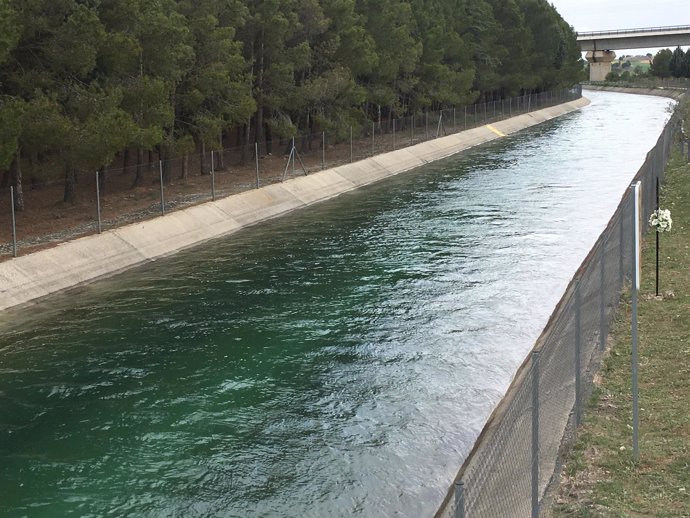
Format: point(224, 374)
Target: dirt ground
point(47, 220)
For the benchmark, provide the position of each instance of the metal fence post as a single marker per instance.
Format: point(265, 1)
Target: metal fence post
point(323, 150)
point(256, 158)
point(98, 200)
point(351, 156)
point(465, 117)
point(578, 351)
point(535, 434)
point(292, 154)
point(160, 170)
point(14, 223)
point(454, 128)
point(602, 295)
point(373, 133)
point(393, 134)
point(213, 178)
point(635, 287)
point(621, 273)
point(459, 499)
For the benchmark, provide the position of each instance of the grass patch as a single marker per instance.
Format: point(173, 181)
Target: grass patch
point(600, 477)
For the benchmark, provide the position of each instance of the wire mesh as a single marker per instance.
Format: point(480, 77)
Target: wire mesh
point(495, 474)
point(130, 187)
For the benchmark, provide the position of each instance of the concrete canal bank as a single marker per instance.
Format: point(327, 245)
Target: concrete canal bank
point(31, 277)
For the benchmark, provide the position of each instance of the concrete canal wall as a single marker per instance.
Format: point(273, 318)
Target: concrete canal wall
point(28, 278)
point(672, 93)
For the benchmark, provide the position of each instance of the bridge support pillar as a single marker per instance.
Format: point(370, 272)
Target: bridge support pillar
point(600, 64)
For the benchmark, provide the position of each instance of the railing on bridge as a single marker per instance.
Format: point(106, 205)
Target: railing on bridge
point(627, 32)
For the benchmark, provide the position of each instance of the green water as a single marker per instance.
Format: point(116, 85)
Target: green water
point(338, 361)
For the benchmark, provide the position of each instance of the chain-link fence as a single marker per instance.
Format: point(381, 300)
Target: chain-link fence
point(515, 456)
point(143, 184)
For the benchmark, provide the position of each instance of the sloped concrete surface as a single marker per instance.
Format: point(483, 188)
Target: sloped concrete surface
point(34, 276)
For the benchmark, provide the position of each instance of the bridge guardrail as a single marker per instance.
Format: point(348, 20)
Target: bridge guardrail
point(592, 34)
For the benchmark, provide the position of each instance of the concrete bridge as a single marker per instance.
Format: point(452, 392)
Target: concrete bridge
point(601, 44)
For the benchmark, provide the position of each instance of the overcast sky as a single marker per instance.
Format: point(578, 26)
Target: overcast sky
point(604, 15)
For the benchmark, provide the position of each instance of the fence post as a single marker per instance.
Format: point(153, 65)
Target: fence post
point(454, 128)
point(160, 170)
point(351, 156)
point(635, 287)
point(465, 117)
point(578, 352)
point(393, 134)
point(14, 223)
point(98, 200)
point(621, 273)
point(535, 434)
point(459, 499)
point(256, 158)
point(602, 297)
point(373, 133)
point(213, 178)
point(426, 125)
point(294, 152)
point(323, 150)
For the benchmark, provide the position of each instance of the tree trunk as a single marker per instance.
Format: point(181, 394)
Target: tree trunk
point(150, 165)
point(269, 141)
point(5, 182)
point(185, 167)
point(139, 173)
point(16, 173)
point(70, 183)
point(125, 160)
point(247, 143)
point(102, 172)
point(221, 155)
point(167, 164)
point(202, 159)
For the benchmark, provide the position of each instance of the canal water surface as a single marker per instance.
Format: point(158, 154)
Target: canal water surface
point(338, 361)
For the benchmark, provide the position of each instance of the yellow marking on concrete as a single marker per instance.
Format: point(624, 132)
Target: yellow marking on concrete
point(497, 132)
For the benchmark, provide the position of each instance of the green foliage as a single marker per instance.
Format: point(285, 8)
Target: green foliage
point(661, 65)
point(82, 80)
point(10, 130)
point(9, 31)
point(678, 64)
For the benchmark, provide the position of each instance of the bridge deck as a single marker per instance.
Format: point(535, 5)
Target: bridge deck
point(635, 38)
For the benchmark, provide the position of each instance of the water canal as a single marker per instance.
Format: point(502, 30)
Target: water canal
point(338, 361)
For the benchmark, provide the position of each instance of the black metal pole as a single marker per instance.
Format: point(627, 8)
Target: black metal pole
point(657, 239)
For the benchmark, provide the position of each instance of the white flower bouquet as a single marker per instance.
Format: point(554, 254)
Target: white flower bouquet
point(661, 220)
